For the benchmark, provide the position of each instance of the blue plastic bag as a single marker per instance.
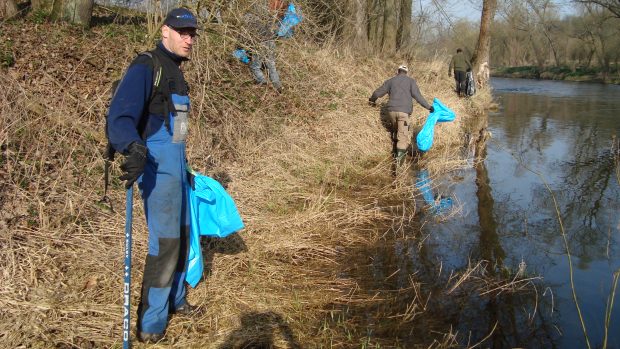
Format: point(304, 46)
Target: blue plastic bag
point(291, 19)
point(241, 55)
point(424, 185)
point(441, 113)
point(212, 213)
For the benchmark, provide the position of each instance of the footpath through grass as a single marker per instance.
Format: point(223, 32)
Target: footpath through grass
point(311, 177)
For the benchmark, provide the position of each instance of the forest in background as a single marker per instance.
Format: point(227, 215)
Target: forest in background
point(531, 35)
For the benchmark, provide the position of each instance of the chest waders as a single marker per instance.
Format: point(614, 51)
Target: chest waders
point(162, 186)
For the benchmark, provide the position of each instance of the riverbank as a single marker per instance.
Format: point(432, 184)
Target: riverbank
point(559, 73)
point(311, 177)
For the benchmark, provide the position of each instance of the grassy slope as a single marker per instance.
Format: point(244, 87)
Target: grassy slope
point(310, 173)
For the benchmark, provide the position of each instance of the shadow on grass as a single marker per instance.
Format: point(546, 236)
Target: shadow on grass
point(260, 330)
point(232, 244)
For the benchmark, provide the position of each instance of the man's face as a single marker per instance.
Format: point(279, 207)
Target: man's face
point(178, 40)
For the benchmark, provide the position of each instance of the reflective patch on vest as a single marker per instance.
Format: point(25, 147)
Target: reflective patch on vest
point(181, 118)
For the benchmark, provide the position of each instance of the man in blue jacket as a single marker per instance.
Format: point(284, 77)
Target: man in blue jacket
point(148, 123)
point(401, 89)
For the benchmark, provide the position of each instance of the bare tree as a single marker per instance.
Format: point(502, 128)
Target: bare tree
point(375, 22)
point(73, 11)
point(404, 24)
point(8, 8)
point(355, 26)
point(612, 5)
point(481, 54)
point(44, 6)
point(390, 25)
point(545, 12)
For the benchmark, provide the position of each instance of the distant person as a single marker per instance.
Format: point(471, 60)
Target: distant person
point(461, 65)
point(148, 123)
point(263, 22)
point(401, 89)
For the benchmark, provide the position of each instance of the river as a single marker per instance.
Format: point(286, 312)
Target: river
point(550, 142)
point(545, 178)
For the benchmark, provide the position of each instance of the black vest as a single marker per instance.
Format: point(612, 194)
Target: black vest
point(167, 80)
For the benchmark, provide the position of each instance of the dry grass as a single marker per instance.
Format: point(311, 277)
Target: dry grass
point(310, 173)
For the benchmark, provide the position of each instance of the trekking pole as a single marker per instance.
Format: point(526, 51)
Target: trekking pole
point(127, 283)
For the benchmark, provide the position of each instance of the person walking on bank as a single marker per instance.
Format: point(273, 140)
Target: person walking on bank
point(148, 124)
point(400, 89)
point(263, 21)
point(461, 65)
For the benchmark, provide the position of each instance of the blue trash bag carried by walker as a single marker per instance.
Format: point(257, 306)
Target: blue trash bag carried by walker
point(441, 113)
point(212, 213)
point(291, 18)
point(424, 185)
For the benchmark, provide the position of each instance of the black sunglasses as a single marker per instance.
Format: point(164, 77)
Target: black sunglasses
point(186, 32)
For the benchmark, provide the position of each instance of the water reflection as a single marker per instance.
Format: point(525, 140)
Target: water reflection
point(435, 203)
point(556, 138)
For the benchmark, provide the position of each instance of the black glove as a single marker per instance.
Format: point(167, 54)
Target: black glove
point(135, 160)
point(432, 109)
point(223, 178)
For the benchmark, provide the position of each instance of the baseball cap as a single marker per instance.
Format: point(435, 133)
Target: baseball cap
point(403, 68)
point(181, 18)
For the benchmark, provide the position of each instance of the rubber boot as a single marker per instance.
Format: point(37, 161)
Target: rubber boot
point(399, 157)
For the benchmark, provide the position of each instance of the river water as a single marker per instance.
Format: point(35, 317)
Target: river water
point(550, 142)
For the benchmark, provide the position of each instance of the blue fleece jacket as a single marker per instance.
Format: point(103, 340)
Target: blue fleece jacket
point(130, 100)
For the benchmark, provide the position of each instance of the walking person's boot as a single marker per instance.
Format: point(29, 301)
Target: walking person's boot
point(399, 157)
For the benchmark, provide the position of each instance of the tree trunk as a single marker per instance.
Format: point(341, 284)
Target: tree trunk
point(404, 27)
point(44, 6)
point(73, 11)
point(481, 54)
point(375, 22)
point(8, 8)
point(539, 53)
point(390, 26)
point(355, 24)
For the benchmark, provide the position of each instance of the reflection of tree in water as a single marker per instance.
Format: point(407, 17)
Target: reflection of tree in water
point(586, 192)
point(261, 331)
point(503, 316)
point(587, 197)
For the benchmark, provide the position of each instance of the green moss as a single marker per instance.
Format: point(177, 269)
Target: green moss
point(7, 59)
point(39, 16)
